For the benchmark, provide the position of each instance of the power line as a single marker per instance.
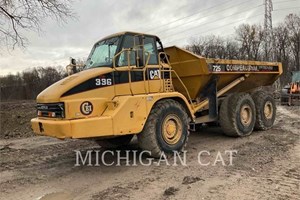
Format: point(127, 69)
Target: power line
point(274, 2)
point(213, 28)
point(219, 19)
point(286, 9)
point(179, 19)
point(222, 25)
point(204, 16)
point(163, 25)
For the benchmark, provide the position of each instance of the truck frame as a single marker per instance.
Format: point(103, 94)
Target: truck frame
point(132, 85)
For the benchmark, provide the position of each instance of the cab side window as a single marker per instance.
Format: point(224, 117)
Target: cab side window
point(127, 43)
point(150, 47)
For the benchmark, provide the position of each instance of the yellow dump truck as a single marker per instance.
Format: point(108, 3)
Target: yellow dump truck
point(132, 85)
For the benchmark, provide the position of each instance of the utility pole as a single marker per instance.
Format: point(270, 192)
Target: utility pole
point(269, 55)
point(269, 38)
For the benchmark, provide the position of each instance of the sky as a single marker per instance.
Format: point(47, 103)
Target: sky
point(174, 22)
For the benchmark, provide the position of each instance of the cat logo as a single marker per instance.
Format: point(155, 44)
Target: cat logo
point(86, 108)
point(154, 74)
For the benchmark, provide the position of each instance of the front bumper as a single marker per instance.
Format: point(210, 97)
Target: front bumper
point(76, 128)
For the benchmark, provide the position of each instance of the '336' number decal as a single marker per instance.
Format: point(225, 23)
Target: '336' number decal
point(103, 81)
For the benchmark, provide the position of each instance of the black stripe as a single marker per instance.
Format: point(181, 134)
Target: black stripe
point(116, 77)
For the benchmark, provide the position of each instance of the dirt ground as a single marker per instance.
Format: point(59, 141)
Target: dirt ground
point(266, 166)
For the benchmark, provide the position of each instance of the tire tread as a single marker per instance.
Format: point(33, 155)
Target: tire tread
point(147, 138)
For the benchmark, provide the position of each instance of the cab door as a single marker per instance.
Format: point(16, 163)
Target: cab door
point(129, 77)
point(154, 73)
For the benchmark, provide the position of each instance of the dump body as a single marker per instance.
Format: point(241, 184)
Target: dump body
point(196, 72)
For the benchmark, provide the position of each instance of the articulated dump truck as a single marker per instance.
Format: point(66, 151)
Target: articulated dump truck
point(132, 85)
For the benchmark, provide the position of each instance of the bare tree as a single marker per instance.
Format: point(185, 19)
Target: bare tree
point(32, 82)
point(231, 49)
point(210, 46)
point(283, 50)
point(215, 47)
point(250, 38)
point(282, 44)
point(17, 16)
point(293, 26)
point(197, 45)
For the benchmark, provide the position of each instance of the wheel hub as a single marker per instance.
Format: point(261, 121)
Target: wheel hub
point(246, 115)
point(268, 110)
point(171, 129)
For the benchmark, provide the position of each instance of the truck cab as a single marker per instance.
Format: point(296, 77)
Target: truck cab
point(123, 73)
point(103, 52)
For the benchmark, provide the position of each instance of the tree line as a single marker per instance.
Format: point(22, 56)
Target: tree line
point(29, 83)
point(249, 43)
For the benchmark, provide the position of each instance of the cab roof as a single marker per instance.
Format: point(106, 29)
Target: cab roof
point(127, 32)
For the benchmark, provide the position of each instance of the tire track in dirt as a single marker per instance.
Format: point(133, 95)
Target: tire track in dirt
point(270, 167)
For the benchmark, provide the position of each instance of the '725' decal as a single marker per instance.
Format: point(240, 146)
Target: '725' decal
point(216, 68)
point(103, 81)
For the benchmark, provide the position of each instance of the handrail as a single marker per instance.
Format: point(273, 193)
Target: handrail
point(114, 58)
point(161, 65)
point(129, 72)
point(129, 50)
point(185, 88)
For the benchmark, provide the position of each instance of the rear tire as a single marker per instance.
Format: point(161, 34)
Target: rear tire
point(166, 129)
point(115, 142)
point(237, 115)
point(265, 110)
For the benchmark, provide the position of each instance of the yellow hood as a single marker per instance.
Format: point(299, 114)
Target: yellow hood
point(54, 92)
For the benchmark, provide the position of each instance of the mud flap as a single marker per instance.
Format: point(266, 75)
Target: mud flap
point(210, 92)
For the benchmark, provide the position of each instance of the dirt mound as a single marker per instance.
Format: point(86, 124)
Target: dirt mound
point(171, 191)
point(189, 180)
point(15, 119)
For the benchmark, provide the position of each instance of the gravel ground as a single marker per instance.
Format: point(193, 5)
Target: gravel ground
point(266, 165)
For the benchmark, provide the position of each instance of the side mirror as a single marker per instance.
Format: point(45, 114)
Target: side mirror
point(73, 63)
point(72, 68)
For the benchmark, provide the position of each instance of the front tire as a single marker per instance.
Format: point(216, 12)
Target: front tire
point(166, 129)
point(237, 115)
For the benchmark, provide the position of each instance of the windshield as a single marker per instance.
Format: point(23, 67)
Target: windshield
point(102, 54)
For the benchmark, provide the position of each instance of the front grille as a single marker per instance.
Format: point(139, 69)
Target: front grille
point(54, 110)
